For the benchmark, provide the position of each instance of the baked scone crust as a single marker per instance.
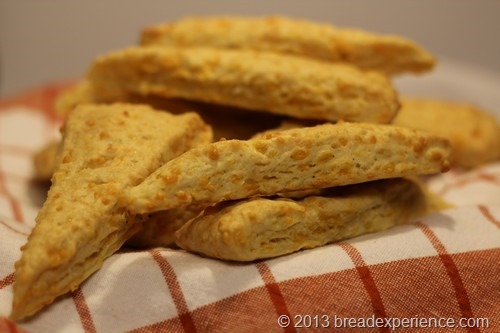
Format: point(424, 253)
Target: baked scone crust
point(387, 53)
point(473, 133)
point(260, 228)
point(260, 81)
point(105, 149)
point(296, 159)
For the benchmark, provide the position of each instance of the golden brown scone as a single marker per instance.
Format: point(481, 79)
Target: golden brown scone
point(296, 159)
point(262, 228)
point(387, 53)
point(44, 161)
point(473, 133)
point(105, 150)
point(253, 80)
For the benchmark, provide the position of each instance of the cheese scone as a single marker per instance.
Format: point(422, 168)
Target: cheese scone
point(268, 227)
point(473, 133)
point(260, 81)
point(105, 149)
point(296, 159)
point(158, 228)
point(387, 53)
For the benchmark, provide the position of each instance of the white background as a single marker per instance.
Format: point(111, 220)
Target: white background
point(49, 40)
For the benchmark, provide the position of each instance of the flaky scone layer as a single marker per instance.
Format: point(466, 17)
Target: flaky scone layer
point(253, 80)
point(388, 53)
point(105, 149)
point(263, 228)
point(296, 159)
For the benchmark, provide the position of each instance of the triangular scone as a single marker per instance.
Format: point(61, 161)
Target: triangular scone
point(473, 133)
point(296, 159)
point(106, 148)
point(276, 83)
point(388, 53)
point(262, 228)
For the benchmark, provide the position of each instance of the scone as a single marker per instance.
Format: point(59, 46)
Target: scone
point(387, 53)
point(105, 149)
point(473, 133)
point(296, 159)
point(268, 227)
point(260, 81)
